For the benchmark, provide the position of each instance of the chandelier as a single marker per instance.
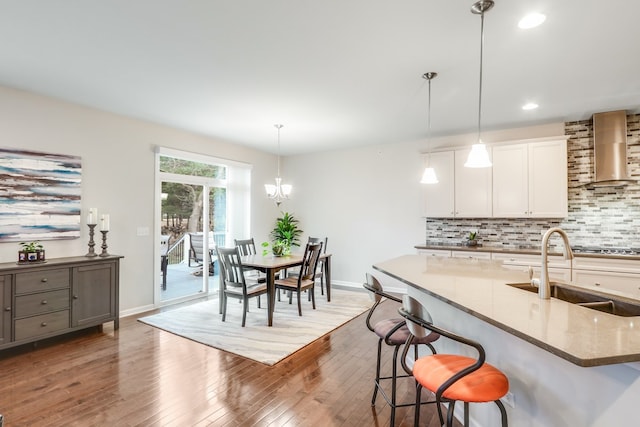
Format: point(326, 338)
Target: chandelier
point(278, 192)
point(479, 156)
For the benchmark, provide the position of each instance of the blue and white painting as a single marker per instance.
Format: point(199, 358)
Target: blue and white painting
point(39, 196)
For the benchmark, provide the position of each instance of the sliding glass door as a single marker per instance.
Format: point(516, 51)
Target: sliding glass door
point(192, 222)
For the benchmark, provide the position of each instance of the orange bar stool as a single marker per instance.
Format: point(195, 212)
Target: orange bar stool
point(451, 377)
point(394, 333)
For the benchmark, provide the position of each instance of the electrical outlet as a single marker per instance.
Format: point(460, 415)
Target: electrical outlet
point(509, 399)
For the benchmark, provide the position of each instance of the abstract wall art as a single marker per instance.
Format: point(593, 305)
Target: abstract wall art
point(39, 196)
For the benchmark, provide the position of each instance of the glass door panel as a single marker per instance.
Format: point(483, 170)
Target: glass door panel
point(183, 261)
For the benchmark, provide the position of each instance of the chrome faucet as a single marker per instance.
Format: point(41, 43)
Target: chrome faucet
point(544, 289)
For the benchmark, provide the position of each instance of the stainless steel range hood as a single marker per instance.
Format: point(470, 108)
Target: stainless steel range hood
point(610, 149)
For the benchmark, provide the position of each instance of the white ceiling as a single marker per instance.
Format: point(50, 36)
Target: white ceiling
point(336, 73)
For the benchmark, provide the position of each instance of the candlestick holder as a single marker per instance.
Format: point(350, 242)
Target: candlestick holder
point(91, 252)
point(104, 243)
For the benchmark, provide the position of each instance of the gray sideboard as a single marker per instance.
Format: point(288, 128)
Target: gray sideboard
point(62, 295)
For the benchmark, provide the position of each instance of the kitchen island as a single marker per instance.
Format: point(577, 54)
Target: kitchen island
point(567, 365)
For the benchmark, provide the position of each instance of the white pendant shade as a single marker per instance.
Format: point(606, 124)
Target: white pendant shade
point(478, 157)
point(429, 176)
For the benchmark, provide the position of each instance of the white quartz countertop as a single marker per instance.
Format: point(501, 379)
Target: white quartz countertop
point(581, 335)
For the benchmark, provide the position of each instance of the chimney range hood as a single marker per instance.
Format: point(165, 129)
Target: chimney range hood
point(610, 149)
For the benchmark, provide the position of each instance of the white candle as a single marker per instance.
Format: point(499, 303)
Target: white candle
point(92, 217)
point(105, 222)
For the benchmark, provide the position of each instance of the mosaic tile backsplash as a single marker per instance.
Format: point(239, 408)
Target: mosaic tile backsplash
point(606, 217)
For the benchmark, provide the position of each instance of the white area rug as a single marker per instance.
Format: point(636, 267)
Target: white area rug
point(202, 323)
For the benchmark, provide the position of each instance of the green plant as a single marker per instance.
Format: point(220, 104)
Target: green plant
point(472, 235)
point(286, 230)
point(34, 246)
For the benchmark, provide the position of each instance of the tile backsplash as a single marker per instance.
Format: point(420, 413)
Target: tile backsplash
point(602, 217)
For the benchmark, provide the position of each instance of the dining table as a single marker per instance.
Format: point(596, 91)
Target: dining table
point(271, 264)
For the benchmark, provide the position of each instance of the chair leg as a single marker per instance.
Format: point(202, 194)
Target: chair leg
point(259, 301)
point(375, 388)
point(224, 306)
point(416, 416)
point(452, 405)
point(299, 304)
point(503, 413)
point(312, 291)
point(245, 308)
point(394, 376)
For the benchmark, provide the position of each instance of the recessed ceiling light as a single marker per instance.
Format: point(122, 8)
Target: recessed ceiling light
point(531, 20)
point(530, 106)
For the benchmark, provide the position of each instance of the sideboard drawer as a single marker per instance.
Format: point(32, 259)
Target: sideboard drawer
point(42, 280)
point(43, 324)
point(42, 302)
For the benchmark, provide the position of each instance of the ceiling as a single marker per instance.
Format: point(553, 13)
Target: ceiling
point(336, 73)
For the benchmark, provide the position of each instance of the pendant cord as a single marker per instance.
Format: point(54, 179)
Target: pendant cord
point(480, 90)
point(278, 127)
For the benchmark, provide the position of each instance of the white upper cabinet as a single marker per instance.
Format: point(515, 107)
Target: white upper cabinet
point(439, 197)
point(461, 192)
point(472, 188)
point(530, 180)
point(548, 181)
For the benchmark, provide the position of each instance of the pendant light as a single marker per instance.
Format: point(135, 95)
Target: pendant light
point(479, 156)
point(429, 174)
point(280, 191)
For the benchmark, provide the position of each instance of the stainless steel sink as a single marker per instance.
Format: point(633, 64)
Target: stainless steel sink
point(601, 301)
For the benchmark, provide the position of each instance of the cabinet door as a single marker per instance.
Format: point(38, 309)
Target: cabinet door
point(439, 197)
point(5, 306)
point(472, 189)
point(510, 181)
point(94, 294)
point(626, 283)
point(548, 191)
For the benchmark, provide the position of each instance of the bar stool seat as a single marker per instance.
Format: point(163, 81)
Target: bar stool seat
point(487, 384)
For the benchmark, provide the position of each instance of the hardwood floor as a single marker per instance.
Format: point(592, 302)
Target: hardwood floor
point(142, 376)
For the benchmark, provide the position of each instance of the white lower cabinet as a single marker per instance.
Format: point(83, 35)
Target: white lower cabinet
point(441, 253)
point(559, 268)
point(471, 255)
point(617, 275)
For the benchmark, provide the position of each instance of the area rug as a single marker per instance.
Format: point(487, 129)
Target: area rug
point(202, 323)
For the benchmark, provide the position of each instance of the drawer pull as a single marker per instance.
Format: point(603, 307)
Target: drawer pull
point(44, 301)
point(44, 280)
point(75, 297)
point(7, 309)
point(43, 324)
point(597, 284)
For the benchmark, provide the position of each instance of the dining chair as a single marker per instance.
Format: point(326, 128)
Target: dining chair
point(451, 377)
point(233, 282)
point(320, 270)
point(196, 251)
point(394, 333)
point(305, 279)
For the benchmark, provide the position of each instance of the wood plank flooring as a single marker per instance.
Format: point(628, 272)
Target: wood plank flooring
point(142, 376)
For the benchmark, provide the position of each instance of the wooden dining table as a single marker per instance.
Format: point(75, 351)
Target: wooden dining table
point(270, 265)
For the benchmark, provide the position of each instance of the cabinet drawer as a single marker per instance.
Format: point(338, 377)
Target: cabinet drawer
point(471, 254)
point(42, 280)
point(43, 324)
point(42, 302)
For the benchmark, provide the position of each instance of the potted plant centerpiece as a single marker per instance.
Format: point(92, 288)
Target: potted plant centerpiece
point(285, 234)
point(31, 252)
point(472, 238)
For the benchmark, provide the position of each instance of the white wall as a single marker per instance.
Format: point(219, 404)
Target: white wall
point(117, 177)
